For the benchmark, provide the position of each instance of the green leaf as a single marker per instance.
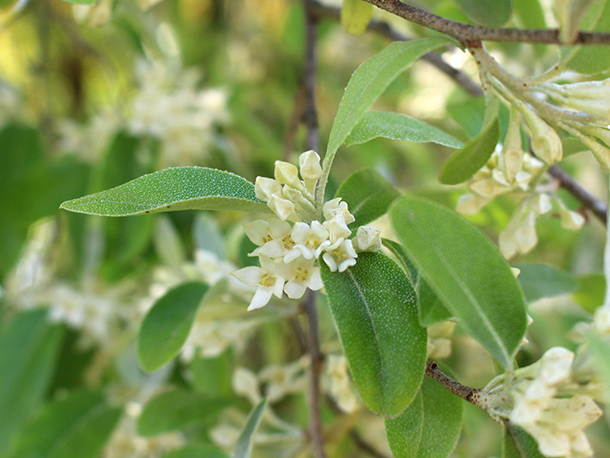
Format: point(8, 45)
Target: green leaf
point(530, 15)
point(78, 425)
point(177, 409)
point(396, 126)
point(590, 291)
point(29, 348)
point(243, 446)
point(541, 280)
point(600, 349)
point(168, 323)
point(368, 195)
point(429, 427)
point(518, 443)
point(374, 308)
point(403, 260)
point(466, 271)
point(591, 59)
point(355, 16)
point(81, 2)
point(468, 160)
point(180, 188)
point(493, 13)
point(368, 82)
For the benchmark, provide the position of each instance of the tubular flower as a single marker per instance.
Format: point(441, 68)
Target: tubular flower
point(289, 253)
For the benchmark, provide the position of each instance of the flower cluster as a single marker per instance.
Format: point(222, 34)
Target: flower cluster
point(544, 400)
point(288, 253)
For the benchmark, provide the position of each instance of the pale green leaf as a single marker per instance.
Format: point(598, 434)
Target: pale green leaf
point(81, 2)
point(600, 349)
point(468, 160)
point(78, 425)
point(590, 291)
point(518, 443)
point(541, 280)
point(368, 82)
point(197, 451)
point(177, 409)
point(180, 188)
point(466, 271)
point(429, 427)
point(355, 16)
point(493, 13)
point(167, 324)
point(396, 126)
point(29, 348)
point(374, 308)
point(368, 195)
point(243, 447)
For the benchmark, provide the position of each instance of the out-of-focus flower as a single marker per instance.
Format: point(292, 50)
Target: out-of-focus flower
point(88, 141)
point(337, 382)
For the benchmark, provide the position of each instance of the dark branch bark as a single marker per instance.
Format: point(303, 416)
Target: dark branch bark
point(466, 33)
point(472, 395)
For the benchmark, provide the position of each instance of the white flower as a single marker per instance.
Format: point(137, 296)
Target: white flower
point(245, 383)
point(310, 239)
point(339, 384)
point(264, 278)
point(336, 207)
point(571, 220)
point(556, 365)
point(337, 228)
point(286, 173)
point(340, 255)
point(471, 204)
point(512, 151)
point(546, 144)
point(300, 274)
point(264, 188)
point(283, 208)
point(285, 379)
point(273, 238)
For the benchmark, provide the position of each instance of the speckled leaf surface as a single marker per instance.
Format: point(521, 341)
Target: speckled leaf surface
point(374, 308)
point(429, 427)
point(180, 188)
point(396, 126)
point(466, 271)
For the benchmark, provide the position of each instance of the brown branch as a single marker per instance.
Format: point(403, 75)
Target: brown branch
point(473, 395)
point(597, 207)
point(466, 33)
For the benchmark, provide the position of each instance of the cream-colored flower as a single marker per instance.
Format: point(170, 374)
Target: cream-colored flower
point(336, 207)
point(340, 255)
point(300, 274)
point(310, 239)
point(309, 164)
point(368, 238)
point(264, 188)
point(264, 278)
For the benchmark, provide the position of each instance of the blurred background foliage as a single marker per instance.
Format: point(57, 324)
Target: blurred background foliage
point(91, 97)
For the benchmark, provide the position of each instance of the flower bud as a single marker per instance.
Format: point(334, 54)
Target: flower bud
point(546, 144)
point(367, 238)
point(264, 188)
point(570, 220)
point(335, 207)
point(303, 206)
point(470, 204)
point(287, 173)
point(309, 163)
point(541, 204)
point(283, 208)
point(512, 152)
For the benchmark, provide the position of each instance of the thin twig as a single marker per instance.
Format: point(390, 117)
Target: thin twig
point(597, 207)
point(472, 395)
point(310, 118)
point(384, 29)
point(466, 33)
point(294, 122)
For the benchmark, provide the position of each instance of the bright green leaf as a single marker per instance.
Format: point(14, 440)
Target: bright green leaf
point(466, 271)
point(177, 409)
point(78, 425)
point(468, 160)
point(368, 195)
point(368, 82)
point(530, 15)
point(518, 443)
point(197, 451)
point(541, 280)
point(493, 13)
point(403, 260)
point(29, 348)
point(180, 188)
point(168, 323)
point(355, 16)
point(243, 446)
point(374, 308)
point(429, 427)
point(396, 126)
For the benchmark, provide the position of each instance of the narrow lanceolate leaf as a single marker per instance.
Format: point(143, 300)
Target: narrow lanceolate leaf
point(493, 13)
point(396, 126)
point(466, 271)
point(368, 195)
point(467, 160)
point(78, 425)
point(167, 324)
point(374, 308)
point(429, 427)
point(29, 347)
point(355, 16)
point(367, 83)
point(518, 443)
point(243, 447)
point(180, 188)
